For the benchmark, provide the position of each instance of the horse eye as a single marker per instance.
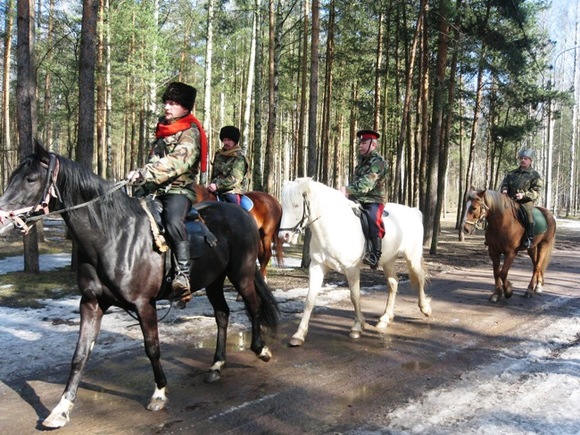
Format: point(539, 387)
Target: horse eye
point(31, 178)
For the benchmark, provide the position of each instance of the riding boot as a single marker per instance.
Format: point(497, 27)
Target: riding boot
point(373, 254)
point(529, 236)
point(180, 288)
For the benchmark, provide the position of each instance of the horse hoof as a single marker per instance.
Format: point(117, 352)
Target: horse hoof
point(296, 342)
point(265, 355)
point(528, 295)
point(354, 334)
point(156, 404)
point(382, 325)
point(494, 298)
point(213, 376)
point(55, 421)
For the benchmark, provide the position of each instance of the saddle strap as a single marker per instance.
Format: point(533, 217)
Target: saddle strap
point(160, 242)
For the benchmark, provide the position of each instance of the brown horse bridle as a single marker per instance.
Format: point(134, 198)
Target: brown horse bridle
point(479, 223)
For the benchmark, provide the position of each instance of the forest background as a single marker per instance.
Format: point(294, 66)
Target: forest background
point(454, 87)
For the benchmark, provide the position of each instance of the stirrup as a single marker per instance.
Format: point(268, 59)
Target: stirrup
point(180, 290)
point(371, 260)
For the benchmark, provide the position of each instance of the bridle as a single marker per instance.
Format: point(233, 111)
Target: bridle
point(305, 220)
point(479, 223)
point(22, 217)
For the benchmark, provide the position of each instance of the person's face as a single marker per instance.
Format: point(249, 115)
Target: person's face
point(525, 162)
point(228, 143)
point(174, 110)
point(365, 146)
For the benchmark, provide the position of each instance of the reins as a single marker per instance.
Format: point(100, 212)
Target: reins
point(23, 217)
point(303, 223)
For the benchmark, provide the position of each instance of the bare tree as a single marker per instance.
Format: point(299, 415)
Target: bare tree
point(5, 151)
point(87, 61)
point(26, 110)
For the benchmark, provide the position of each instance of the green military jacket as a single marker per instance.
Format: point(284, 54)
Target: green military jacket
point(229, 169)
point(369, 184)
point(174, 163)
point(526, 181)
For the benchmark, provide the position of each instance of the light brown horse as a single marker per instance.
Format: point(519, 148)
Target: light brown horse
point(267, 212)
point(503, 235)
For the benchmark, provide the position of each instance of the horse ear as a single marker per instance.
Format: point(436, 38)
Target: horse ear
point(43, 154)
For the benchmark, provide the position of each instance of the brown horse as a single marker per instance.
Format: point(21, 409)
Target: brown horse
point(503, 235)
point(267, 212)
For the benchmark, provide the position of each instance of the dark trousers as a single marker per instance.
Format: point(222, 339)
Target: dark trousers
point(375, 213)
point(175, 209)
point(528, 206)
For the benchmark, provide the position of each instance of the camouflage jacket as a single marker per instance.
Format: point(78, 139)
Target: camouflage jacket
point(174, 163)
point(526, 181)
point(229, 169)
point(369, 184)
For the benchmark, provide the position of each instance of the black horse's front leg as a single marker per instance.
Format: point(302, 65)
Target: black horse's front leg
point(147, 314)
point(215, 294)
point(91, 317)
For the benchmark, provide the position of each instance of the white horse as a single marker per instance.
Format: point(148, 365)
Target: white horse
point(338, 243)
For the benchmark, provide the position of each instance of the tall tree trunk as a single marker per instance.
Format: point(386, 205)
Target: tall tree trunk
point(7, 142)
point(250, 81)
point(379, 72)
point(101, 95)
point(313, 100)
point(87, 60)
point(26, 110)
point(207, 82)
point(257, 168)
point(573, 178)
point(47, 136)
point(325, 166)
point(300, 149)
point(398, 190)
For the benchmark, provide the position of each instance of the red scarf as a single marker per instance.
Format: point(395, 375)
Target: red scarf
point(164, 130)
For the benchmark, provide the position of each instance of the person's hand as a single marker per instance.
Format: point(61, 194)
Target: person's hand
point(518, 196)
point(212, 187)
point(135, 178)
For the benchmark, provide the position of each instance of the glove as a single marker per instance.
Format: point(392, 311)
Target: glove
point(136, 178)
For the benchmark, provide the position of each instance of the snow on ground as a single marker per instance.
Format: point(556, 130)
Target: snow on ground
point(533, 389)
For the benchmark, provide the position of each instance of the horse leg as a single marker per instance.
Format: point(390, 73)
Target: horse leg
point(538, 256)
point(215, 294)
point(316, 276)
point(265, 252)
point(495, 260)
point(509, 258)
point(91, 317)
point(393, 286)
point(353, 278)
point(148, 322)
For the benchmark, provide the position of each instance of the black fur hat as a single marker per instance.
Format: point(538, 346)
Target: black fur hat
point(181, 93)
point(230, 132)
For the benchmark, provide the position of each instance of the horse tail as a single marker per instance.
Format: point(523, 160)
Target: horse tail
point(269, 311)
point(278, 245)
point(551, 241)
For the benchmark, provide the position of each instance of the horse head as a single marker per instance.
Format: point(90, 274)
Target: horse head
point(30, 189)
point(476, 211)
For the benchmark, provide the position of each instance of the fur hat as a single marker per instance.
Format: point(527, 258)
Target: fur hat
point(367, 134)
point(180, 93)
point(230, 132)
point(526, 152)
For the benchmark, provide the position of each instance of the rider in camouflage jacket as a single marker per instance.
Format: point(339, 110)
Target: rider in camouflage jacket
point(370, 190)
point(176, 154)
point(524, 185)
point(230, 167)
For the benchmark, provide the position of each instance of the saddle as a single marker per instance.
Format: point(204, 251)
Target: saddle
point(197, 231)
point(243, 201)
point(540, 224)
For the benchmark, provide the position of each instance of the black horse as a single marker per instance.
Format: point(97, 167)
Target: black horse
point(118, 265)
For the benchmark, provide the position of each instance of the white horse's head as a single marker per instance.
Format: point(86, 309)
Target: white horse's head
point(304, 201)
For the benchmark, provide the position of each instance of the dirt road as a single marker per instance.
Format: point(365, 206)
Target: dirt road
point(332, 384)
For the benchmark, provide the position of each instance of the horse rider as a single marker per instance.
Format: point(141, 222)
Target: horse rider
point(369, 188)
point(524, 186)
point(177, 153)
point(229, 167)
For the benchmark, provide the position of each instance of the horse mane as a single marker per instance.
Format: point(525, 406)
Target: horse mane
point(77, 185)
point(497, 201)
point(326, 196)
